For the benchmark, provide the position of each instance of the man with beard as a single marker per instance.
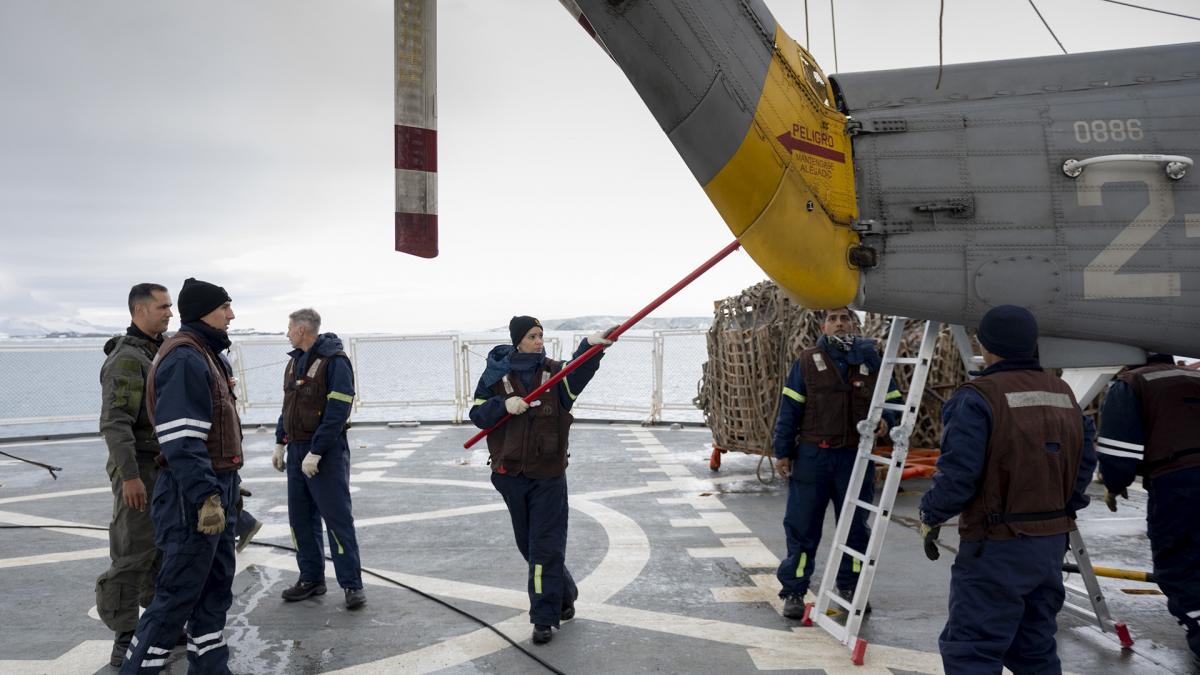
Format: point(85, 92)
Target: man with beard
point(194, 504)
point(828, 392)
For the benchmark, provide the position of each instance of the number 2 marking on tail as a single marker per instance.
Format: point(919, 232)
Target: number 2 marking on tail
point(1100, 277)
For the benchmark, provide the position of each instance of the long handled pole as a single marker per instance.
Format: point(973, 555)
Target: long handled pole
point(613, 335)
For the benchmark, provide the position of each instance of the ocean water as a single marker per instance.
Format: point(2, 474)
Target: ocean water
point(53, 385)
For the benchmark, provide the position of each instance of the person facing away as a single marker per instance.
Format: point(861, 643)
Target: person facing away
point(194, 505)
point(132, 447)
point(1150, 426)
point(1016, 457)
point(528, 456)
point(311, 446)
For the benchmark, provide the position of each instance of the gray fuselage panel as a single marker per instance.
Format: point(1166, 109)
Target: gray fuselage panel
point(962, 192)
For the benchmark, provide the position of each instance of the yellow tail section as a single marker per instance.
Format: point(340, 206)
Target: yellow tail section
point(788, 192)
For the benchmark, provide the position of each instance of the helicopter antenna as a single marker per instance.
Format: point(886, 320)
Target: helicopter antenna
point(833, 22)
point(807, 44)
point(941, 15)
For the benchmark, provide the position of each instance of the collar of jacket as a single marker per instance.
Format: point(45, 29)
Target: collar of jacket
point(1020, 363)
point(327, 345)
point(134, 331)
point(217, 340)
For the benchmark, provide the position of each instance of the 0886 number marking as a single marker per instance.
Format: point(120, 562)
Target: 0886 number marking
point(1103, 131)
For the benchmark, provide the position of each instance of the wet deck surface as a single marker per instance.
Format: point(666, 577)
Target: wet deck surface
point(675, 567)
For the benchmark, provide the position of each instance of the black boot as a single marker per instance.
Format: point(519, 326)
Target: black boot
point(568, 608)
point(793, 606)
point(355, 598)
point(304, 589)
point(542, 634)
point(120, 647)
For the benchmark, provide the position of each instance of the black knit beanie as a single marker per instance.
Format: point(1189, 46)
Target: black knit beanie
point(1009, 332)
point(518, 326)
point(198, 298)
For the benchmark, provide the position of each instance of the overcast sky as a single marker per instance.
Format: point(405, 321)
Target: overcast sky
point(249, 143)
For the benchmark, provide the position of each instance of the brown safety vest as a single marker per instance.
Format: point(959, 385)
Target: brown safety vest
point(225, 435)
point(1170, 414)
point(1026, 486)
point(304, 397)
point(533, 443)
point(833, 408)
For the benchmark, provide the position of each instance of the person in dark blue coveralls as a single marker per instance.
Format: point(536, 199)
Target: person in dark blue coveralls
point(1150, 426)
point(828, 391)
point(529, 459)
point(1016, 457)
point(194, 506)
point(318, 389)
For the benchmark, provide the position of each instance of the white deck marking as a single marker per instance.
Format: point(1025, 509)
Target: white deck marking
point(13, 518)
point(748, 551)
point(700, 503)
point(720, 523)
point(82, 659)
point(396, 454)
point(65, 556)
point(373, 465)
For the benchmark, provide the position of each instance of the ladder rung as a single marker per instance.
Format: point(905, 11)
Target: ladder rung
point(880, 459)
point(904, 360)
point(900, 407)
point(868, 506)
point(1080, 611)
point(834, 597)
point(1077, 590)
point(837, 630)
point(852, 553)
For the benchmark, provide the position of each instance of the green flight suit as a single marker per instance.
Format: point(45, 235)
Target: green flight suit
point(132, 448)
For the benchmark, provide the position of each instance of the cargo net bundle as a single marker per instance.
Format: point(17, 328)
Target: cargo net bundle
point(754, 339)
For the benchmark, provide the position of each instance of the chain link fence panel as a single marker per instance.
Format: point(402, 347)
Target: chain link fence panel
point(50, 383)
point(623, 387)
point(680, 367)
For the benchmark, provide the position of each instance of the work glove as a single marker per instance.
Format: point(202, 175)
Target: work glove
point(598, 338)
point(783, 466)
point(277, 459)
point(929, 537)
point(1110, 498)
point(515, 405)
point(309, 465)
point(212, 516)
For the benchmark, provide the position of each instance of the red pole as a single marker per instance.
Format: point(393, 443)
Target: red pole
point(613, 335)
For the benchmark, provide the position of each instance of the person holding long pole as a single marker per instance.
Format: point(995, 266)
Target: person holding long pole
point(529, 459)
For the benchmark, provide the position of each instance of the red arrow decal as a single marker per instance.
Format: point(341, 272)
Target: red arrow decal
point(795, 144)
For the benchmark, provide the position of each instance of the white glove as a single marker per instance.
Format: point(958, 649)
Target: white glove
point(598, 338)
point(277, 459)
point(309, 465)
point(515, 405)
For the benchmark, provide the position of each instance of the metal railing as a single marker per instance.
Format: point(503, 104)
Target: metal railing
point(650, 377)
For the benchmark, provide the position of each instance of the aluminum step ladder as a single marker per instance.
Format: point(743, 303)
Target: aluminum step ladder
point(1087, 601)
point(853, 610)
